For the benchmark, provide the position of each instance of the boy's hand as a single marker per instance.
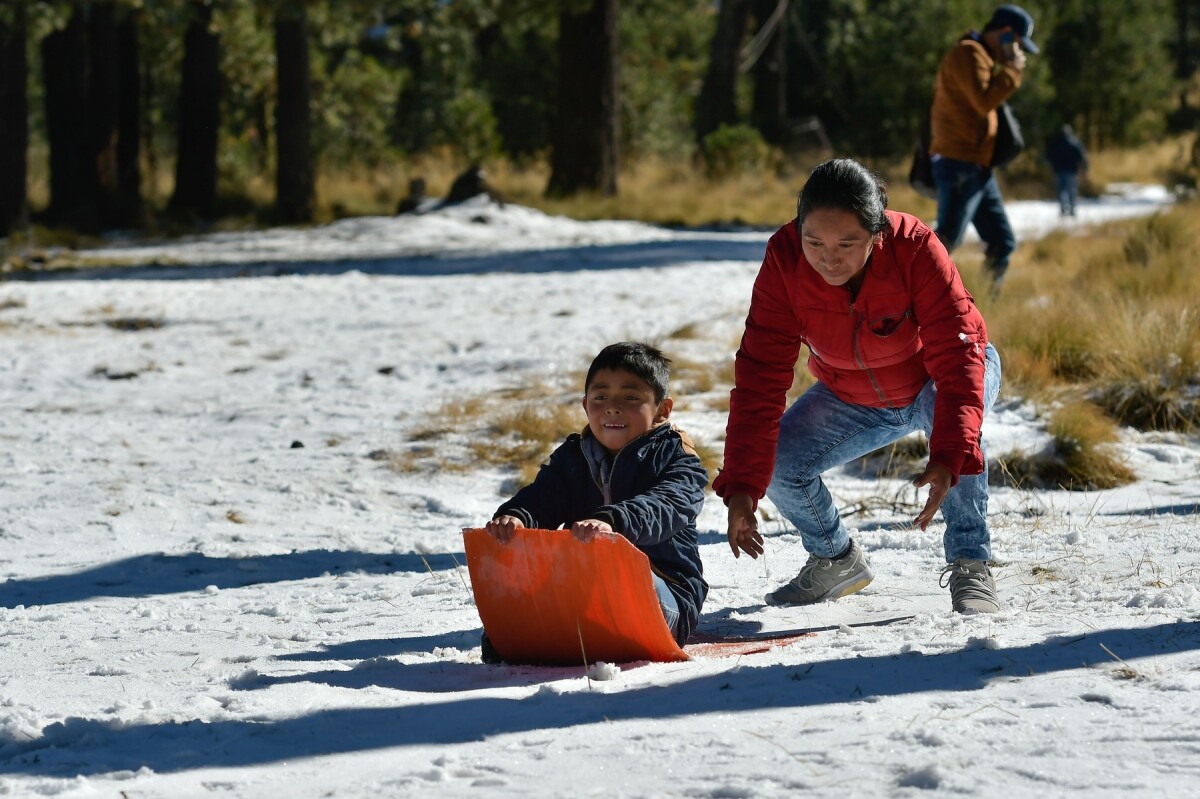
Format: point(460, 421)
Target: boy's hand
point(503, 528)
point(743, 527)
point(939, 480)
point(585, 529)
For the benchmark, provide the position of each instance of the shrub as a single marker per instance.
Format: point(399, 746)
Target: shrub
point(731, 149)
point(470, 116)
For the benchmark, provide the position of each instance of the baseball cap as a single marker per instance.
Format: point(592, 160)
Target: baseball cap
point(1017, 18)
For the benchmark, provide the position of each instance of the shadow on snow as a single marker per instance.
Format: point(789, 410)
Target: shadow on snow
point(79, 746)
point(368, 648)
point(158, 574)
point(566, 259)
point(1180, 509)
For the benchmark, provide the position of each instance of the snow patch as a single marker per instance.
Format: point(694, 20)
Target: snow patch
point(603, 671)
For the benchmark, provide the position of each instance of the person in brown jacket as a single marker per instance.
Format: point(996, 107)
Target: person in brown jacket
point(980, 72)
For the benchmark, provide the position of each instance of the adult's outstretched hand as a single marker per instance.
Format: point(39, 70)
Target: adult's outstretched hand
point(743, 527)
point(939, 479)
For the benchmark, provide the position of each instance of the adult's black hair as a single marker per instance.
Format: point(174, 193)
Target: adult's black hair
point(641, 359)
point(845, 185)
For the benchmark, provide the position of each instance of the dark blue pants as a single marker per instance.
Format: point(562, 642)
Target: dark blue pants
point(968, 193)
point(1068, 192)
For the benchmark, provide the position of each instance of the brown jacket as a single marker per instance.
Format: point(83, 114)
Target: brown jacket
point(969, 87)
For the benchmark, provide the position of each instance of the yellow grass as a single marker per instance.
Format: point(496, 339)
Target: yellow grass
point(1156, 162)
point(1111, 312)
point(650, 189)
point(659, 192)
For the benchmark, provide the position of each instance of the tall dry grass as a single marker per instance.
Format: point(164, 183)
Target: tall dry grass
point(1157, 162)
point(1109, 315)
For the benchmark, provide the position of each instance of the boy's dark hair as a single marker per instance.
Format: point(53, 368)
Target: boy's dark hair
point(845, 185)
point(641, 359)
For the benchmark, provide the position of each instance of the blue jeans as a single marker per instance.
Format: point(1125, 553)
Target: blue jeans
point(968, 193)
point(668, 603)
point(1068, 192)
point(821, 431)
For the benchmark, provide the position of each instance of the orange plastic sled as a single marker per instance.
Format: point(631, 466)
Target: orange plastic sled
point(546, 598)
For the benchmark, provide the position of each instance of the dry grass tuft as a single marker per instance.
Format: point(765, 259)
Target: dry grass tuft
point(1045, 574)
point(692, 330)
point(450, 418)
point(1078, 457)
point(511, 429)
point(689, 378)
point(524, 438)
point(1149, 375)
point(515, 427)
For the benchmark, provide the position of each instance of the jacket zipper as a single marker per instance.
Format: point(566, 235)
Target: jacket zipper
point(858, 320)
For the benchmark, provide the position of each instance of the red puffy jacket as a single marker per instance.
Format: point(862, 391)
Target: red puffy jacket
point(912, 320)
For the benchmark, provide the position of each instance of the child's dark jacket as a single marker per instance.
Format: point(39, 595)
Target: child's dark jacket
point(656, 491)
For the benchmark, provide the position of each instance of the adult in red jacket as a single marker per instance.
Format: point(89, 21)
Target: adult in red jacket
point(897, 345)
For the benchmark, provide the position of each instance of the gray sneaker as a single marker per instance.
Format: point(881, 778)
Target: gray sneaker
point(825, 578)
point(972, 589)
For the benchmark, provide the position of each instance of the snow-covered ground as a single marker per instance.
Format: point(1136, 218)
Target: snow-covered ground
point(192, 604)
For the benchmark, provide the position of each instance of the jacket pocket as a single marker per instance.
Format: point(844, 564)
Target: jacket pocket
point(888, 325)
point(889, 333)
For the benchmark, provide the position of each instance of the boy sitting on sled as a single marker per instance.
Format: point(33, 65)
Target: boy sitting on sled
point(630, 472)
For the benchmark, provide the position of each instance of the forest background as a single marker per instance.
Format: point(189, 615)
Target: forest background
point(175, 115)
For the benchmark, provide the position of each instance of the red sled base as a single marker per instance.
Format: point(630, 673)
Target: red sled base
point(546, 598)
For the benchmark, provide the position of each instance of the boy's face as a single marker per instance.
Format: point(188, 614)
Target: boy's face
point(620, 407)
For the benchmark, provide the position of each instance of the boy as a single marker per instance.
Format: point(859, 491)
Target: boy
point(629, 472)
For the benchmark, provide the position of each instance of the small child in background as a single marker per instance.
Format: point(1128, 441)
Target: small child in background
point(629, 472)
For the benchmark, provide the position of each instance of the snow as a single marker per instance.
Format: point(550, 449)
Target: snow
point(213, 581)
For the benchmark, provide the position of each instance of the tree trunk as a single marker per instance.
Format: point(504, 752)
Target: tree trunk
point(103, 114)
point(1184, 58)
point(14, 121)
point(199, 119)
point(770, 85)
point(294, 183)
point(408, 132)
point(717, 103)
point(129, 126)
point(1187, 17)
point(586, 146)
point(64, 70)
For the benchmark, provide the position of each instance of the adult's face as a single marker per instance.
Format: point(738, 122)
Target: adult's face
point(836, 244)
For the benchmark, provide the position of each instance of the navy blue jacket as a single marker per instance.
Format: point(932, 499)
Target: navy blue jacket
point(656, 491)
point(1066, 153)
